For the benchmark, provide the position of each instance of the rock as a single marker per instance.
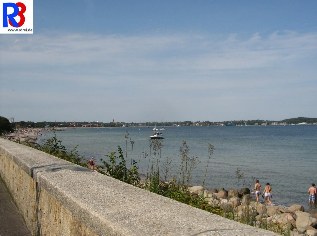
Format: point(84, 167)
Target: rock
point(269, 219)
point(233, 193)
point(284, 209)
point(290, 219)
point(226, 205)
point(304, 220)
point(285, 220)
point(259, 218)
point(199, 190)
point(244, 191)
point(313, 212)
point(246, 199)
point(215, 202)
point(311, 231)
point(209, 200)
point(224, 201)
point(246, 212)
point(295, 233)
point(213, 190)
point(221, 194)
point(296, 207)
point(261, 208)
point(208, 194)
point(241, 210)
point(272, 210)
point(235, 201)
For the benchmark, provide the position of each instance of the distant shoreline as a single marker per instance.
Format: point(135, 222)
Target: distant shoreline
point(113, 124)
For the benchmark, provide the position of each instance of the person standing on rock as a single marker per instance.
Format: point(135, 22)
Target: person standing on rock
point(268, 193)
point(312, 195)
point(257, 189)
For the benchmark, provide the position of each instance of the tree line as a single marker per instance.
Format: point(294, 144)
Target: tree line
point(7, 126)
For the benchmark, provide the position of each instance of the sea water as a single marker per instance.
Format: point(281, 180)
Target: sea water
point(284, 156)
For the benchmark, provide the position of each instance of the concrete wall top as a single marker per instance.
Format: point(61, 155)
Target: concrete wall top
point(111, 207)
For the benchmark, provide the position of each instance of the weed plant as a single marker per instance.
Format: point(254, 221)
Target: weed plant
point(187, 164)
point(176, 189)
point(211, 149)
point(117, 168)
point(55, 147)
point(248, 215)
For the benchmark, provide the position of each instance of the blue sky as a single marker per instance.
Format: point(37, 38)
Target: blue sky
point(98, 60)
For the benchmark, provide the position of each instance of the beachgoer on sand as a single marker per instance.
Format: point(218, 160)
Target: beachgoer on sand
point(91, 164)
point(268, 193)
point(312, 195)
point(257, 189)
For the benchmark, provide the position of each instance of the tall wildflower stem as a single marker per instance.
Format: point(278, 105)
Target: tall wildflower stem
point(211, 149)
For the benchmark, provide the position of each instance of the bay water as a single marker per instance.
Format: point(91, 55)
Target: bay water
point(284, 156)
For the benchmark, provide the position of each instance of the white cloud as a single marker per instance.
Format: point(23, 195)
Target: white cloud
point(139, 52)
point(133, 68)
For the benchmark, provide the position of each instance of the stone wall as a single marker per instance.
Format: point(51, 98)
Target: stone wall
point(56, 197)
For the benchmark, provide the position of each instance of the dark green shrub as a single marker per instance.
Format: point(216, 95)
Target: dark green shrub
point(5, 125)
point(55, 147)
point(117, 168)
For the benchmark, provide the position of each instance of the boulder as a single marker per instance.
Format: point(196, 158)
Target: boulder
point(296, 207)
point(304, 220)
point(311, 231)
point(215, 202)
point(208, 194)
point(213, 190)
point(235, 201)
point(284, 209)
point(233, 193)
point(259, 220)
point(272, 210)
point(261, 209)
point(285, 220)
point(244, 191)
point(246, 199)
point(224, 201)
point(226, 205)
point(209, 200)
point(295, 233)
point(241, 210)
point(314, 213)
point(199, 190)
point(245, 211)
point(221, 194)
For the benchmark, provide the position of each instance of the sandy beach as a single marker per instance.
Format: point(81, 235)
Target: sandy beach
point(26, 135)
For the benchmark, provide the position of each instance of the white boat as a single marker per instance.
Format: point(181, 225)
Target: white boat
point(157, 135)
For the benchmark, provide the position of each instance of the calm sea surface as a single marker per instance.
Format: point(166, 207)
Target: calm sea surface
point(284, 156)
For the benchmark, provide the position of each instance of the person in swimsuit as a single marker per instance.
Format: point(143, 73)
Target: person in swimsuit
point(268, 194)
point(91, 164)
point(257, 189)
point(312, 195)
